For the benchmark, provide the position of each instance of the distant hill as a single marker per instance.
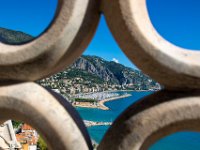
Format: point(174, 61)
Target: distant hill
point(88, 73)
point(14, 37)
point(108, 72)
point(94, 74)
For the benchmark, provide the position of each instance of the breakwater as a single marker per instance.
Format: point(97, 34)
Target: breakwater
point(99, 103)
point(102, 102)
point(93, 123)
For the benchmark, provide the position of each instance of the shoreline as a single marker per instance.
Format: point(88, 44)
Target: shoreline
point(96, 123)
point(150, 90)
point(100, 104)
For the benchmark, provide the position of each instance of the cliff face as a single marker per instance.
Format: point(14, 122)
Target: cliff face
point(112, 73)
point(89, 71)
point(96, 66)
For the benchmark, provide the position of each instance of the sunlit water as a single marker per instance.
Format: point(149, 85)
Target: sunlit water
point(178, 141)
point(116, 107)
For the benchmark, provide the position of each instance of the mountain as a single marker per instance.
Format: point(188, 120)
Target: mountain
point(88, 73)
point(94, 74)
point(14, 37)
point(109, 71)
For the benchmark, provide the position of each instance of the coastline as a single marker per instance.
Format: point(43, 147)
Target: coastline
point(100, 104)
point(97, 132)
point(93, 123)
point(125, 91)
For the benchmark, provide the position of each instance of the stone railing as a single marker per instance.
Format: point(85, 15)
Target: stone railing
point(173, 109)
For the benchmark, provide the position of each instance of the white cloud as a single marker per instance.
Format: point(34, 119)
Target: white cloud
point(115, 60)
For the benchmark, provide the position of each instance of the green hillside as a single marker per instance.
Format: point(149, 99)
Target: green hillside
point(14, 37)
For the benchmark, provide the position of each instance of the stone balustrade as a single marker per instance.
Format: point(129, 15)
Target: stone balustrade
point(175, 108)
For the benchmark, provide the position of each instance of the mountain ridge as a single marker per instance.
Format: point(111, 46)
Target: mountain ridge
point(12, 37)
point(88, 73)
point(112, 72)
point(95, 74)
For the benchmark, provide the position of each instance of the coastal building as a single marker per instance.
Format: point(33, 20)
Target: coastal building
point(7, 137)
point(28, 137)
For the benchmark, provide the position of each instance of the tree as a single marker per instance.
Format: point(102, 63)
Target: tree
point(41, 144)
point(16, 124)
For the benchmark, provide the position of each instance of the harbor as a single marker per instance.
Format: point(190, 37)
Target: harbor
point(100, 98)
point(93, 123)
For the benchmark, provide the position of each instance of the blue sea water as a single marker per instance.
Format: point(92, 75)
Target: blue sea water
point(177, 141)
point(116, 108)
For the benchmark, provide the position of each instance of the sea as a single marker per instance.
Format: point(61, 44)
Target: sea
point(178, 141)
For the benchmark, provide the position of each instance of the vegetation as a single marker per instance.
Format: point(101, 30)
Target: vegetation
point(88, 73)
point(14, 37)
point(86, 76)
point(117, 71)
point(41, 144)
point(94, 74)
point(16, 124)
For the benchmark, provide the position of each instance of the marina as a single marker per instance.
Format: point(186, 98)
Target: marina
point(100, 98)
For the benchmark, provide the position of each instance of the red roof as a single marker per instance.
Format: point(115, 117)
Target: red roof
point(27, 127)
point(26, 136)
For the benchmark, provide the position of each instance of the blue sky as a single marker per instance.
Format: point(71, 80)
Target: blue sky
point(178, 21)
point(29, 16)
point(104, 45)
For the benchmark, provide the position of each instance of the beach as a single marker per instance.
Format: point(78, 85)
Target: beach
point(116, 107)
point(100, 103)
point(177, 141)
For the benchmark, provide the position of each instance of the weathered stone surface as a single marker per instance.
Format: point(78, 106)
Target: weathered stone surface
point(34, 105)
point(152, 118)
point(64, 41)
point(172, 66)
point(72, 29)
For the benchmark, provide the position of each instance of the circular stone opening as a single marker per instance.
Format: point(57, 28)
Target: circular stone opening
point(176, 21)
point(23, 21)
